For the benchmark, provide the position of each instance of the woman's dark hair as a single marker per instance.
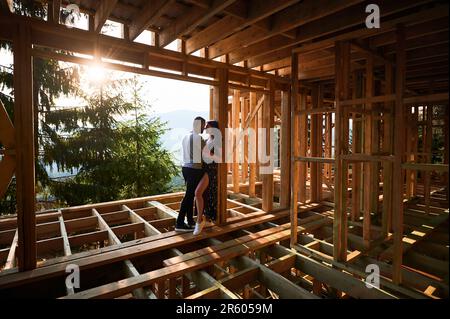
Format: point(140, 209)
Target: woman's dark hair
point(213, 124)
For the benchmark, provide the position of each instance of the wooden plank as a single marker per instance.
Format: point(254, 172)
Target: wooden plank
point(66, 243)
point(132, 249)
point(268, 119)
point(283, 287)
point(147, 16)
point(294, 150)
point(253, 153)
point(302, 131)
point(397, 206)
point(81, 224)
point(430, 98)
point(189, 21)
point(341, 141)
point(288, 19)
point(220, 114)
point(149, 229)
point(368, 167)
point(24, 124)
point(386, 219)
point(285, 152)
point(124, 286)
point(11, 259)
point(236, 111)
point(426, 167)
point(244, 166)
point(416, 236)
point(356, 148)
point(230, 24)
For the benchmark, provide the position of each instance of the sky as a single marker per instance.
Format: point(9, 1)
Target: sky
point(165, 95)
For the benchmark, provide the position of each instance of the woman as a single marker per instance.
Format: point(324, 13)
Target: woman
point(206, 191)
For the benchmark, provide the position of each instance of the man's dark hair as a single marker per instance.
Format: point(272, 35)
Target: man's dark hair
point(199, 118)
point(199, 128)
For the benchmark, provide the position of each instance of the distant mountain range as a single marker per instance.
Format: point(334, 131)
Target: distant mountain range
point(179, 122)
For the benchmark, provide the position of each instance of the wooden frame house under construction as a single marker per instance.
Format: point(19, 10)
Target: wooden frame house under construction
point(356, 111)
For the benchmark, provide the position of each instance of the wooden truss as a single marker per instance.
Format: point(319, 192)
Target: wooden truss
point(355, 184)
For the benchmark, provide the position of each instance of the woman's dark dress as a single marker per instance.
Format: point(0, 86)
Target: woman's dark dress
point(210, 194)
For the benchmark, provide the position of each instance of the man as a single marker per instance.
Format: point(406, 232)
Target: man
point(192, 172)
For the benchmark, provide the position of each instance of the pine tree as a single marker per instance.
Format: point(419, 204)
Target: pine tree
point(114, 159)
point(50, 81)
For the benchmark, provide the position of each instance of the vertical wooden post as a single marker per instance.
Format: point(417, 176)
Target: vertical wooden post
point(221, 115)
point(244, 165)
point(369, 169)
point(328, 144)
point(268, 122)
point(356, 148)
point(319, 143)
point(253, 148)
point(236, 110)
point(295, 137)
point(428, 151)
point(446, 141)
point(303, 143)
point(314, 136)
point(24, 129)
point(397, 207)
point(415, 149)
point(285, 174)
point(386, 218)
point(341, 141)
point(409, 156)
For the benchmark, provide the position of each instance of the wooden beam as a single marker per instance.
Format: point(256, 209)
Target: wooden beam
point(285, 153)
point(397, 208)
point(114, 240)
point(288, 19)
point(268, 118)
point(66, 243)
point(294, 151)
point(54, 9)
point(283, 287)
point(25, 157)
point(104, 9)
point(368, 167)
point(220, 114)
point(236, 111)
point(188, 22)
point(230, 24)
point(147, 16)
point(11, 259)
point(341, 141)
point(253, 151)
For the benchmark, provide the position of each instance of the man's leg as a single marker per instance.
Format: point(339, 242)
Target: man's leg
point(188, 199)
point(197, 176)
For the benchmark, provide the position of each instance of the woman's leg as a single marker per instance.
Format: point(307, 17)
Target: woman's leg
point(201, 187)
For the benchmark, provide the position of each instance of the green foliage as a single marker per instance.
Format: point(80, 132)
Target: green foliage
point(50, 81)
point(114, 159)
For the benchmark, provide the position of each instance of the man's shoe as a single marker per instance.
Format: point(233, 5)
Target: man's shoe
point(183, 228)
point(191, 224)
point(199, 227)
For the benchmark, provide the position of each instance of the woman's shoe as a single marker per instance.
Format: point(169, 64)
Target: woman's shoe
point(199, 227)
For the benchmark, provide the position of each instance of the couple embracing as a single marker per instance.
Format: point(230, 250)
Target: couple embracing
point(200, 176)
